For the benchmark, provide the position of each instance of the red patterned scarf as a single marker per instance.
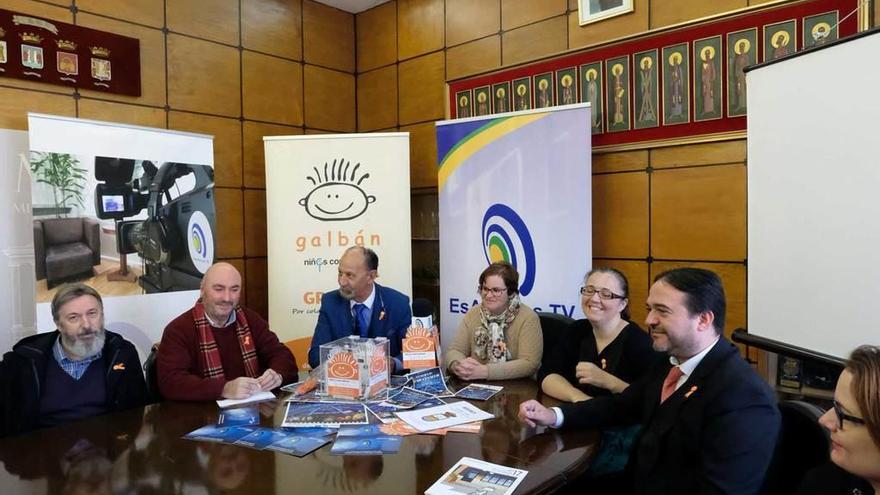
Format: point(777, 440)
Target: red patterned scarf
point(212, 365)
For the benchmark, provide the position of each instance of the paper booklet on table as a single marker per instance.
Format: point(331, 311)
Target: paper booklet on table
point(471, 476)
point(327, 414)
point(443, 416)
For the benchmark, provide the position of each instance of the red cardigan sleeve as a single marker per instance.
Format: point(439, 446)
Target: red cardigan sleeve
point(178, 366)
point(271, 353)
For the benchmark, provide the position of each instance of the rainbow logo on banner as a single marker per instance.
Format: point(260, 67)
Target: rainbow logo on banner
point(506, 238)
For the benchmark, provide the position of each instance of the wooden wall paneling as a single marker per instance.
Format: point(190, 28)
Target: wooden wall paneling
point(230, 222)
point(377, 37)
point(60, 12)
point(516, 13)
point(215, 20)
point(467, 20)
point(422, 93)
point(203, 77)
point(122, 113)
point(329, 99)
point(473, 57)
point(377, 99)
point(699, 154)
point(699, 213)
point(227, 143)
point(152, 45)
point(257, 284)
point(328, 36)
point(620, 161)
point(615, 27)
point(668, 12)
point(272, 26)
point(422, 154)
point(18, 102)
point(272, 89)
point(733, 277)
point(876, 19)
point(254, 157)
point(620, 215)
point(147, 12)
point(254, 222)
point(420, 27)
point(535, 40)
point(637, 275)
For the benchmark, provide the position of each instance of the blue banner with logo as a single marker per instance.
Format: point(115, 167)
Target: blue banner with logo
point(515, 187)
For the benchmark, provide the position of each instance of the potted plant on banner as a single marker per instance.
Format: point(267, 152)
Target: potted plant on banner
point(60, 171)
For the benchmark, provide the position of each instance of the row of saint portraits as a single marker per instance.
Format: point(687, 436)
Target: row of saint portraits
point(622, 103)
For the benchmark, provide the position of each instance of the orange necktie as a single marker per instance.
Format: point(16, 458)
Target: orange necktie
point(670, 382)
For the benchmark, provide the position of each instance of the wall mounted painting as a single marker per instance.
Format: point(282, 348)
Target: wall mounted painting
point(819, 29)
point(592, 92)
point(544, 90)
point(501, 94)
point(646, 103)
point(676, 84)
point(464, 104)
point(596, 10)
point(522, 93)
point(742, 51)
point(617, 89)
point(780, 39)
point(566, 86)
point(482, 101)
point(707, 78)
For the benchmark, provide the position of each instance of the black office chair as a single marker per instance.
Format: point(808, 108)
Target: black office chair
point(803, 445)
point(553, 326)
point(151, 376)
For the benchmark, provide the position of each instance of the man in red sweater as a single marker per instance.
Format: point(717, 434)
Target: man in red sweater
point(218, 349)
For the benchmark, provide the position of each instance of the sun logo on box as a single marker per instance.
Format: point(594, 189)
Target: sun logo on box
point(506, 238)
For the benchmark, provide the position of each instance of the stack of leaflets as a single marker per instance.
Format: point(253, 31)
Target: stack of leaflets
point(472, 476)
point(255, 437)
point(478, 391)
point(430, 380)
point(325, 414)
point(365, 440)
point(444, 416)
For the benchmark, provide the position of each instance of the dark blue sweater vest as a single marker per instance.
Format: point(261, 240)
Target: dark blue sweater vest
point(64, 399)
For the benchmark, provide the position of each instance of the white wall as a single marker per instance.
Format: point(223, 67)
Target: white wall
point(814, 198)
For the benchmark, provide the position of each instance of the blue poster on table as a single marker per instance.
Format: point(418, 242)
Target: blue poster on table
point(430, 380)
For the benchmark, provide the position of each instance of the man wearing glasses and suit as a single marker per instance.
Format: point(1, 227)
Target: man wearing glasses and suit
point(710, 423)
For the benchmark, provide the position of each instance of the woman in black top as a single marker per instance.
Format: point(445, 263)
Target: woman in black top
point(602, 354)
point(854, 424)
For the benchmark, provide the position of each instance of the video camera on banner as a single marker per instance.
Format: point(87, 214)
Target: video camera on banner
point(176, 240)
point(421, 346)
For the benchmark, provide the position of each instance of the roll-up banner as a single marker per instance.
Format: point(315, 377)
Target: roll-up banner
point(324, 194)
point(128, 210)
point(515, 187)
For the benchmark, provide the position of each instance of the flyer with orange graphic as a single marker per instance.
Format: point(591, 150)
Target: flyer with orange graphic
point(419, 349)
point(343, 375)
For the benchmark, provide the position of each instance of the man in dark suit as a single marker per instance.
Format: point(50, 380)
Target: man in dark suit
point(710, 424)
point(361, 307)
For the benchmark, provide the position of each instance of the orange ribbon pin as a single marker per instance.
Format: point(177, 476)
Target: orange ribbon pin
point(118, 367)
point(692, 390)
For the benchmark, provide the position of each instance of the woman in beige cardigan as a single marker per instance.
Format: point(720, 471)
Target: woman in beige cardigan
point(500, 338)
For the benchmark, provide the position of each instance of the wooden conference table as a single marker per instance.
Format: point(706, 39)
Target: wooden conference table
point(141, 452)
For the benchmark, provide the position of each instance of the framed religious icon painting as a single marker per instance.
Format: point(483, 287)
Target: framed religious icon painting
point(592, 91)
point(522, 93)
point(676, 84)
point(742, 51)
point(596, 10)
point(617, 89)
point(819, 29)
point(566, 86)
point(646, 80)
point(482, 101)
point(543, 90)
point(780, 39)
point(707, 79)
point(464, 104)
point(501, 96)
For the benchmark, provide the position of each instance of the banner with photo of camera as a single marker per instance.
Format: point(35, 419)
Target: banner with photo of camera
point(127, 210)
